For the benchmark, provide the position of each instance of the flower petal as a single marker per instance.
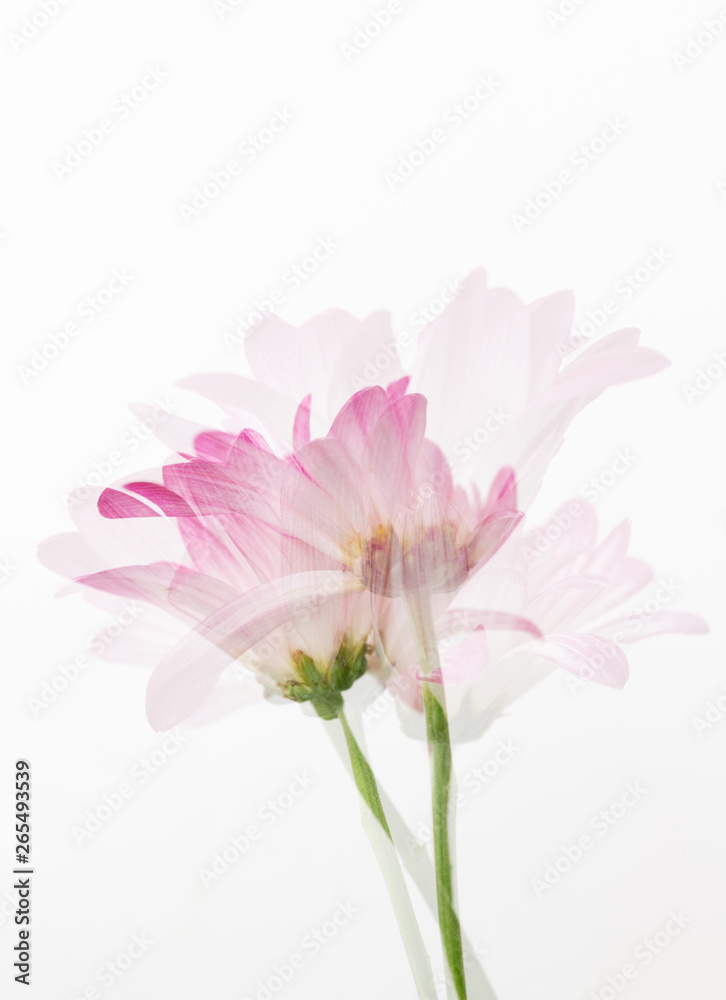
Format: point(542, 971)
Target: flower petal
point(588, 656)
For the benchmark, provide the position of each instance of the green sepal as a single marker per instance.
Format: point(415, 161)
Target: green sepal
point(328, 705)
point(297, 692)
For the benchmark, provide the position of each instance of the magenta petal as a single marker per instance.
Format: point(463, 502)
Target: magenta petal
point(503, 491)
point(588, 656)
point(210, 489)
point(213, 445)
point(165, 499)
point(114, 504)
point(356, 420)
point(184, 678)
point(398, 388)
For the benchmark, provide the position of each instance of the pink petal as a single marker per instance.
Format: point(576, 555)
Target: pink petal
point(503, 492)
point(210, 489)
point(356, 420)
point(368, 354)
point(398, 388)
point(392, 451)
point(155, 583)
point(632, 628)
point(491, 534)
point(474, 359)
point(115, 504)
point(213, 445)
point(610, 361)
point(551, 323)
point(588, 656)
point(175, 432)
point(464, 619)
point(166, 500)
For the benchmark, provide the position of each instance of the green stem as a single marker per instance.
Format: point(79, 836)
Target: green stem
point(364, 778)
point(416, 861)
point(437, 731)
point(390, 865)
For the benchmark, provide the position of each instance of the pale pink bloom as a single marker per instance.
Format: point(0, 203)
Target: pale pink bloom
point(502, 381)
point(492, 371)
point(242, 533)
point(568, 603)
point(293, 541)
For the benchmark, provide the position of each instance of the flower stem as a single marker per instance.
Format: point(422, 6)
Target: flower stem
point(437, 731)
point(379, 834)
point(416, 862)
point(437, 728)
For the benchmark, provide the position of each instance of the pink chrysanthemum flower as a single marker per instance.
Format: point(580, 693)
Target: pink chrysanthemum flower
point(295, 540)
point(502, 379)
point(568, 604)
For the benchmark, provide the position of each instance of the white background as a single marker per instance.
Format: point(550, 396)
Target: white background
point(324, 176)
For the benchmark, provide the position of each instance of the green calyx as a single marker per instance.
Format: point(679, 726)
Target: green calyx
point(323, 688)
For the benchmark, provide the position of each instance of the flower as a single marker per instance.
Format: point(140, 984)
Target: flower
point(490, 367)
point(547, 606)
point(261, 524)
point(292, 542)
